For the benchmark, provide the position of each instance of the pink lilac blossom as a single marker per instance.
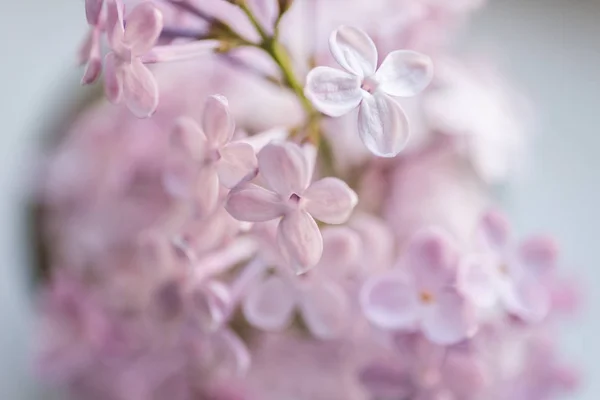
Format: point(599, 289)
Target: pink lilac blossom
point(207, 246)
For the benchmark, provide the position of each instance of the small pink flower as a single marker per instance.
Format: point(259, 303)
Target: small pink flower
point(318, 295)
point(287, 172)
point(126, 76)
point(422, 294)
point(382, 123)
point(517, 279)
point(207, 158)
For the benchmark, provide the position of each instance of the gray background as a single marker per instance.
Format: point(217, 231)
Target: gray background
point(549, 47)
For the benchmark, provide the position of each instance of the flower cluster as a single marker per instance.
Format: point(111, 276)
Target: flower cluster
point(256, 224)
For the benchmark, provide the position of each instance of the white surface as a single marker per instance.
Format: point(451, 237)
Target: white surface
point(549, 46)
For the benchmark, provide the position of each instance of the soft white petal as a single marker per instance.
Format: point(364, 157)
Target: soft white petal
point(235, 357)
point(325, 309)
point(300, 239)
point(390, 302)
point(527, 299)
point(333, 92)
point(144, 24)
point(354, 50)
point(449, 319)
point(382, 125)
point(478, 280)
point(140, 89)
point(237, 162)
point(404, 73)
point(188, 140)
point(284, 167)
point(115, 31)
point(252, 203)
point(269, 304)
point(330, 200)
point(217, 122)
point(113, 78)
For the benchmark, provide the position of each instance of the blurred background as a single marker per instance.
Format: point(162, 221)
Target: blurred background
point(549, 48)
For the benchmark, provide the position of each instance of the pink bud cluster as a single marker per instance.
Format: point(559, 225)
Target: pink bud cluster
point(310, 232)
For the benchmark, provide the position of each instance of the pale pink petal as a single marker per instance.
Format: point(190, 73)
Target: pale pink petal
point(269, 304)
point(404, 73)
point(300, 239)
point(217, 122)
point(252, 203)
point(341, 248)
point(144, 24)
point(92, 71)
point(539, 255)
point(113, 79)
point(449, 319)
point(237, 162)
point(382, 125)
point(495, 231)
point(115, 29)
point(333, 92)
point(284, 168)
point(354, 50)
point(206, 191)
point(211, 301)
point(330, 200)
point(92, 11)
point(236, 357)
point(432, 259)
point(188, 139)
point(390, 302)
point(140, 89)
point(179, 176)
point(325, 309)
point(478, 281)
point(528, 299)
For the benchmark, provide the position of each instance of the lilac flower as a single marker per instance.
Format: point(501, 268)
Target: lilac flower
point(517, 279)
point(126, 76)
point(207, 156)
point(317, 295)
point(422, 294)
point(382, 124)
point(287, 172)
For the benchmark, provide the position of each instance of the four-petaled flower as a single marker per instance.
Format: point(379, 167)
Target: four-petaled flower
point(422, 294)
point(207, 156)
point(519, 279)
point(318, 296)
point(287, 172)
point(126, 76)
point(382, 124)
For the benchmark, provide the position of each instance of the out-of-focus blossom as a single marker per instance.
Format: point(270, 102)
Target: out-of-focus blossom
point(518, 278)
point(422, 294)
point(382, 124)
point(287, 172)
point(206, 158)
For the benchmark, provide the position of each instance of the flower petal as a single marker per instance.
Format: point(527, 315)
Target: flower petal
point(404, 73)
point(144, 24)
point(237, 162)
point(140, 89)
point(284, 168)
point(432, 259)
point(330, 200)
point(449, 319)
point(390, 302)
point(188, 140)
point(115, 29)
point(269, 304)
point(495, 231)
point(539, 254)
point(341, 248)
point(252, 203)
point(235, 357)
point(354, 50)
point(382, 125)
point(93, 8)
point(333, 92)
point(217, 122)
point(325, 309)
point(300, 239)
point(477, 280)
point(113, 79)
point(528, 299)
point(206, 191)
